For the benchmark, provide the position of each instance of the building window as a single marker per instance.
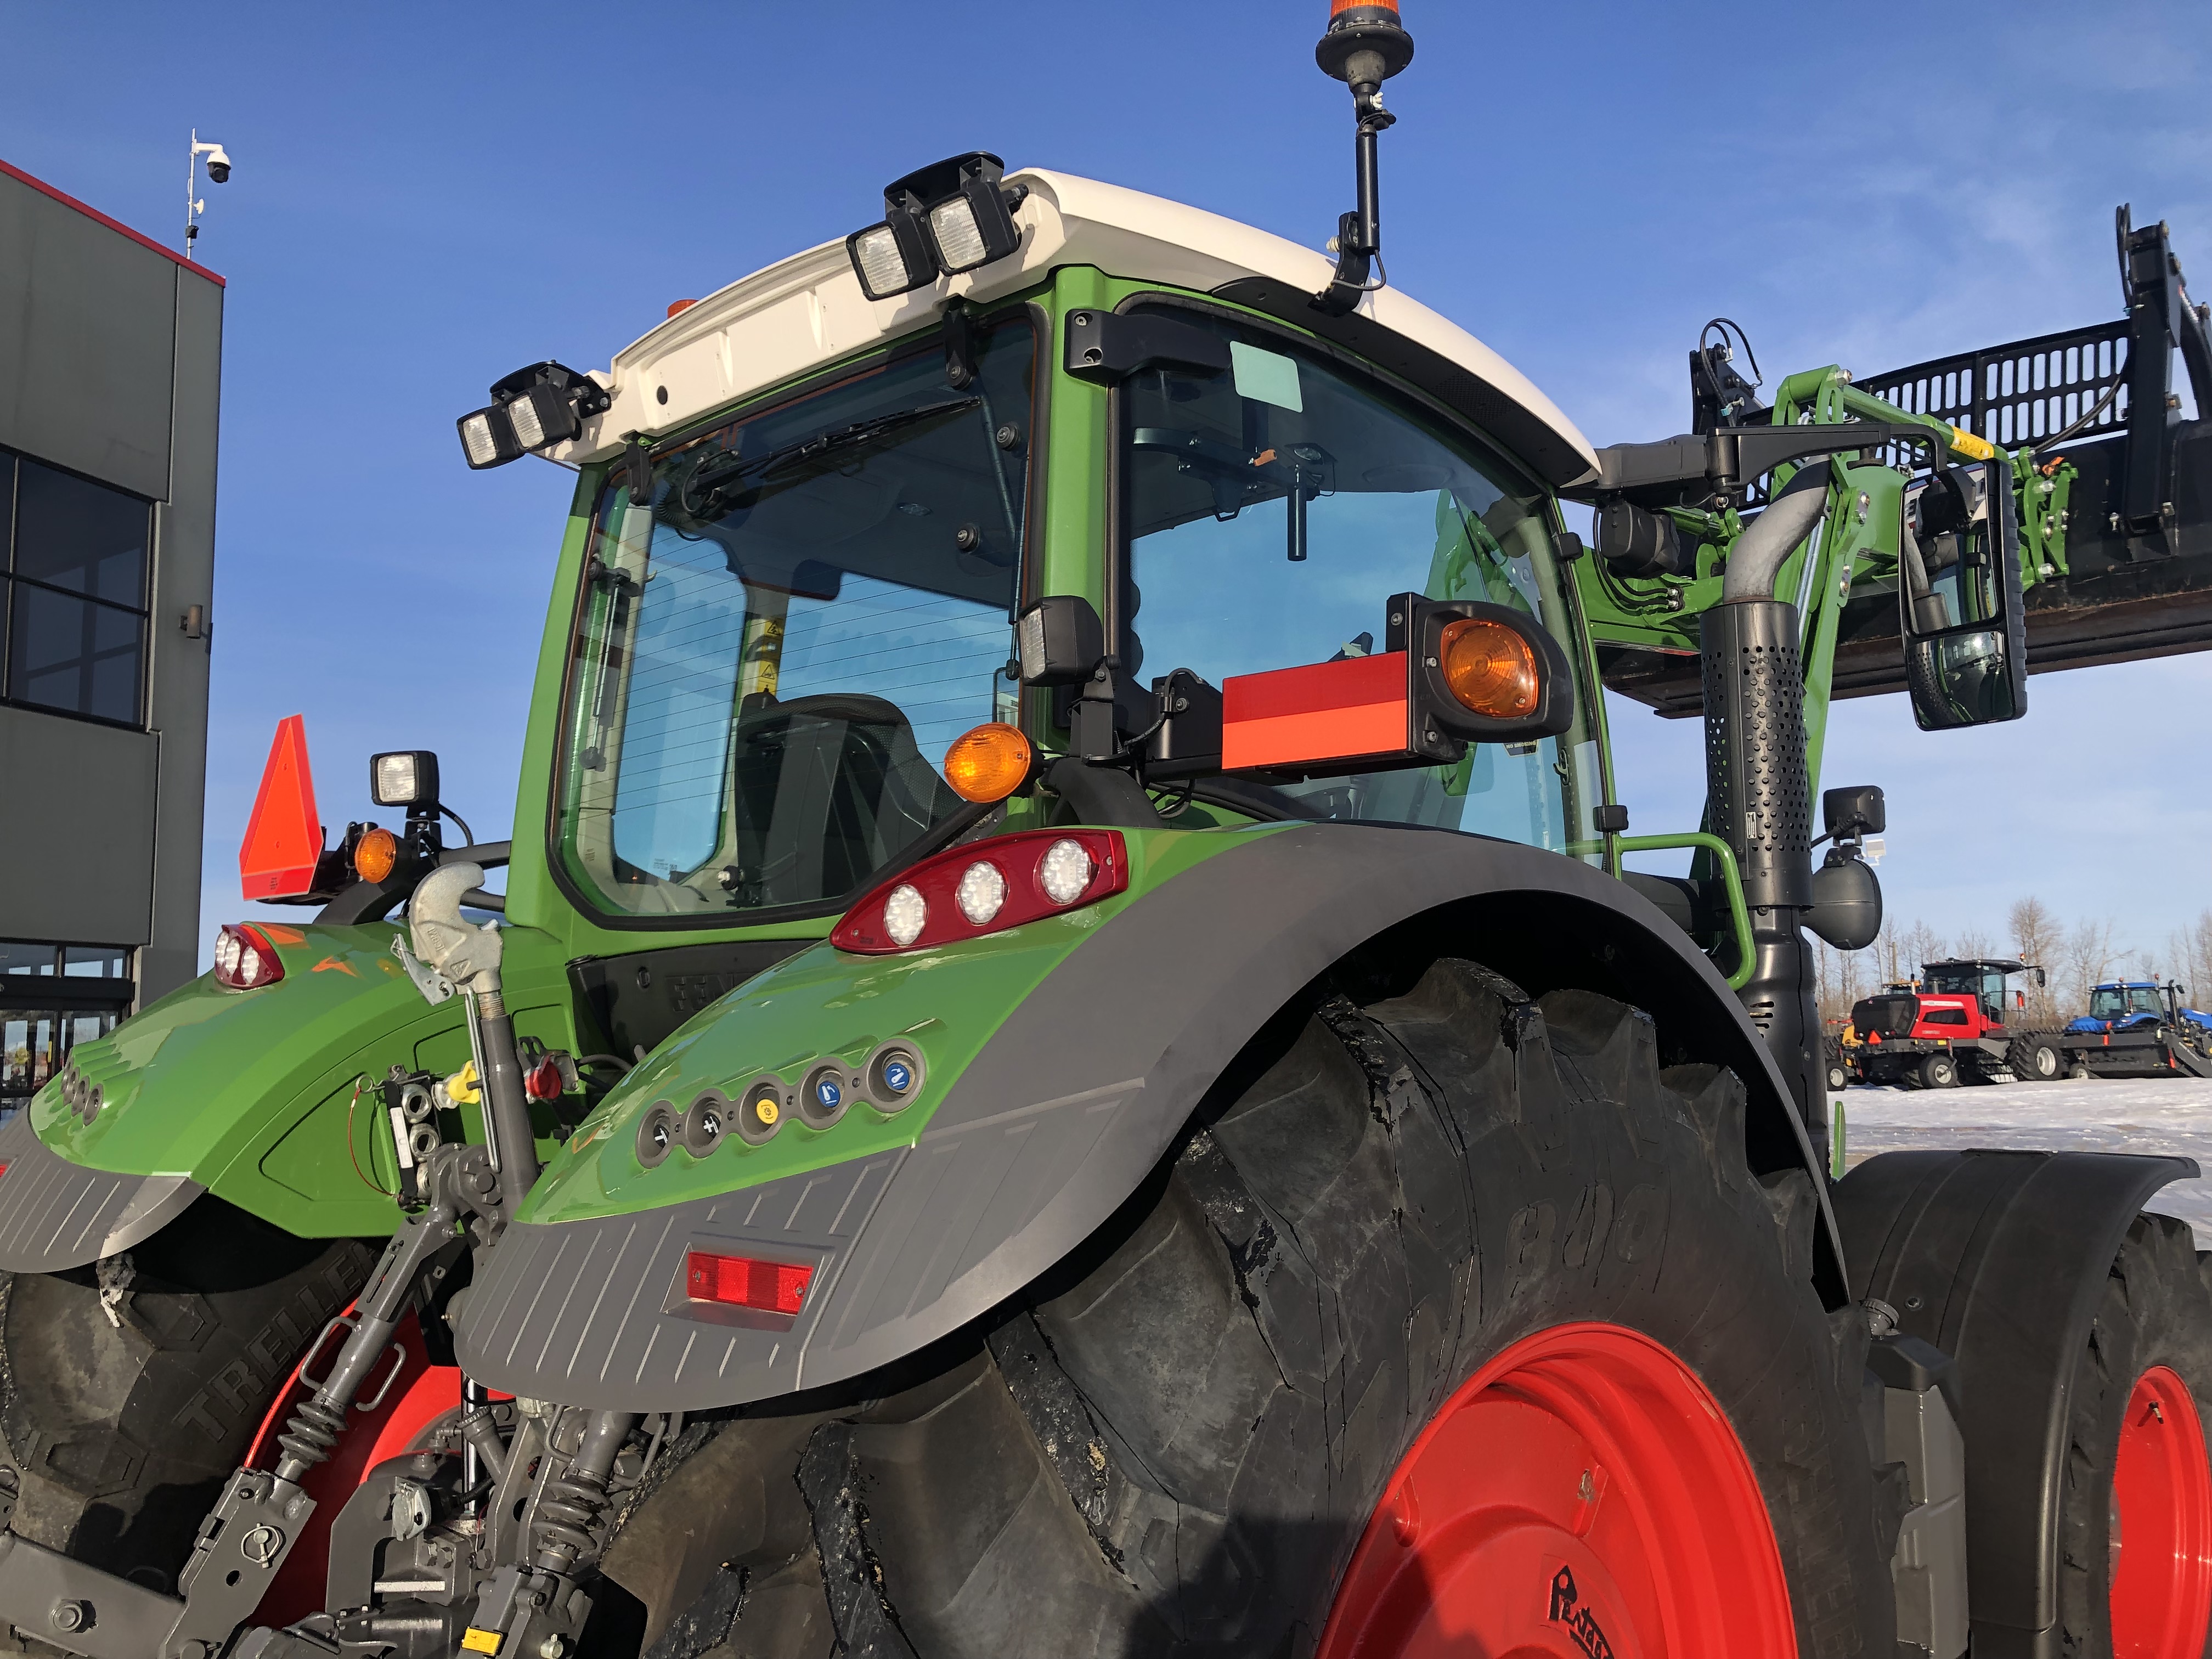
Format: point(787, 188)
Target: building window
point(73, 557)
point(54, 997)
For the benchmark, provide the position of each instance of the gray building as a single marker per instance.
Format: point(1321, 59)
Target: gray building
point(110, 354)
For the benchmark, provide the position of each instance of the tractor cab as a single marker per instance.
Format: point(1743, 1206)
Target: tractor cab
point(1988, 985)
point(2134, 1004)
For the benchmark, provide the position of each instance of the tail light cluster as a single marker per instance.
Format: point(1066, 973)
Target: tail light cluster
point(986, 888)
point(243, 958)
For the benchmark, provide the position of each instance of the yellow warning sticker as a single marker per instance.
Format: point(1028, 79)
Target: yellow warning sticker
point(480, 1641)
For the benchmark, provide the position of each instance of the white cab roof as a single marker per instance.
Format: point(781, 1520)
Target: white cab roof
point(808, 310)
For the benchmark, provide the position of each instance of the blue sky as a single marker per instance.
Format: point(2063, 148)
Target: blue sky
point(426, 197)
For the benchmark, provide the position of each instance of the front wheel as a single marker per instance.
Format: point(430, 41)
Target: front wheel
point(1839, 1078)
point(1938, 1072)
point(2135, 1510)
point(1453, 1320)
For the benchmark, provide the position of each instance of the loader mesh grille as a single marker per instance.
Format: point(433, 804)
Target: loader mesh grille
point(2017, 394)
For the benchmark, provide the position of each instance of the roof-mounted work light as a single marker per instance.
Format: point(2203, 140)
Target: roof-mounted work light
point(532, 408)
point(951, 216)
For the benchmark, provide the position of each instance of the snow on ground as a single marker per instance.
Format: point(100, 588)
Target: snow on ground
point(2171, 1116)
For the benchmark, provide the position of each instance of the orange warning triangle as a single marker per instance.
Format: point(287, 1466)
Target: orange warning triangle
point(284, 836)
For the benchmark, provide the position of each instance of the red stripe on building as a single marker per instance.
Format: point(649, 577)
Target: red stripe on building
point(121, 229)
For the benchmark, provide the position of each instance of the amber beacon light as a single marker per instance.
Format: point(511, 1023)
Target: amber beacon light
point(989, 762)
point(376, 854)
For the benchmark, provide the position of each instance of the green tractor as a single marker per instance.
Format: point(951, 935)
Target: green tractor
point(1068, 1065)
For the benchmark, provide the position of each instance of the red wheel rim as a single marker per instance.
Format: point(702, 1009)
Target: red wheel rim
point(1581, 1495)
point(2162, 1524)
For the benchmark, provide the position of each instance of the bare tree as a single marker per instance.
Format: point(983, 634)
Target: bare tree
point(2191, 948)
point(1920, 945)
point(2087, 959)
point(1972, 945)
point(1890, 948)
point(2038, 938)
point(1841, 978)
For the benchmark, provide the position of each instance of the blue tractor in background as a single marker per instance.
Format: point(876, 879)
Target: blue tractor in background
point(2139, 1028)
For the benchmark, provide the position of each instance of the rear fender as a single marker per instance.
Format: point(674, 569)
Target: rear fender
point(246, 1094)
point(1089, 1071)
point(2000, 1258)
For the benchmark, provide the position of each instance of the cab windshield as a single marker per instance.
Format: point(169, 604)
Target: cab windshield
point(775, 645)
point(2118, 1001)
point(1271, 510)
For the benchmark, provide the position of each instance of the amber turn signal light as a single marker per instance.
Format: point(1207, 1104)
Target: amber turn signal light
point(1489, 668)
point(376, 854)
point(988, 763)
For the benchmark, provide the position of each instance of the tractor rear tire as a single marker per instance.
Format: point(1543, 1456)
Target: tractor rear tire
point(1176, 1441)
point(134, 1386)
point(1937, 1072)
point(2035, 1060)
point(2136, 1501)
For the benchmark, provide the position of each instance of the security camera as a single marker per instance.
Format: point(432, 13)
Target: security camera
point(218, 166)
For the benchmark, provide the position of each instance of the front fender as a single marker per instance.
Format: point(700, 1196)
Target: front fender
point(1999, 1259)
point(1062, 1060)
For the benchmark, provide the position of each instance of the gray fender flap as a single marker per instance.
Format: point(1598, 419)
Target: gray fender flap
point(1068, 1107)
point(56, 1214)
point(2000, 1260)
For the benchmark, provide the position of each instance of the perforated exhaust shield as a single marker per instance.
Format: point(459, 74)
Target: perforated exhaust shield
point(1755, 748)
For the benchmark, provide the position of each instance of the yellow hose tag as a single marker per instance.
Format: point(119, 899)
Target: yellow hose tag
point(461, 1089)
point(1966, 443)
point(480, 1641)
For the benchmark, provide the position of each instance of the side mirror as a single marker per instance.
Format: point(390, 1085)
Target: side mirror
point(1847, 814)
point(1959, 600)
point(2040, 981)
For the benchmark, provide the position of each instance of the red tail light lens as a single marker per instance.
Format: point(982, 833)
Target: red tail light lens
point(986, 887)
point(243, 958)
point(744, 1281)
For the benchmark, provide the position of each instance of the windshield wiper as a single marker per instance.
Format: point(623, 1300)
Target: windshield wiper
point(714, 479)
